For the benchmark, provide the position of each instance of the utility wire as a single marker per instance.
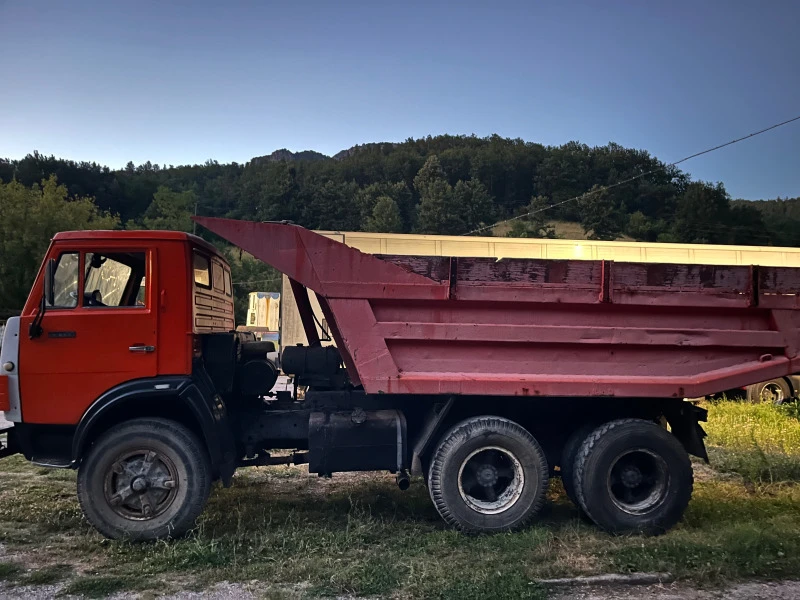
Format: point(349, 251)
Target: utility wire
point(258, 281)
point(635, 177)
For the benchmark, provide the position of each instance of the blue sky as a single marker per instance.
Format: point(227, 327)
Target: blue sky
point(180, 82)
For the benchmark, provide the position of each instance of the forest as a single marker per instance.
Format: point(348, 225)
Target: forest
point(444, 185)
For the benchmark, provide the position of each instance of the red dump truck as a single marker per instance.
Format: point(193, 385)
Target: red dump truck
point(485, 376)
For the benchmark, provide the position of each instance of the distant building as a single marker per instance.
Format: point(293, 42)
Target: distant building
point(264, 315)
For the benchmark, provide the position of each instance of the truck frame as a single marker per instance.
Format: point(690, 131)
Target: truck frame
point(487, 377)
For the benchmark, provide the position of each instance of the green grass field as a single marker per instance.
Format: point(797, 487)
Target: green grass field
point(358, 534)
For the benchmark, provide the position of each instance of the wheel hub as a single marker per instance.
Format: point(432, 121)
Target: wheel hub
point(631, 477)
point(487, 475)
point(491, 480)
point(638, 481)
point(140, 485)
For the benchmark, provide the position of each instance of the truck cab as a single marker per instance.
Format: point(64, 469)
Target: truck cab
point(116, 311)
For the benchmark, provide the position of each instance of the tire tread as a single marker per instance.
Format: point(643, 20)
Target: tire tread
point(586, 451)
point(457, 435)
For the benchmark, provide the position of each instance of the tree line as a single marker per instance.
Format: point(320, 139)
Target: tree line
point(443, 185)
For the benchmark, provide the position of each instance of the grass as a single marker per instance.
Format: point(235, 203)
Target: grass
point(759, 442)
point(9, 571)
point(302, 536)
point(565, 230)
point(50, 575)
point(96, 587)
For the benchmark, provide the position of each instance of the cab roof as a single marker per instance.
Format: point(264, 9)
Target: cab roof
point(109, 234)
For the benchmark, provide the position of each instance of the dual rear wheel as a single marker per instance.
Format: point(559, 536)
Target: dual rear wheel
point(489, 474)
point(628, 476)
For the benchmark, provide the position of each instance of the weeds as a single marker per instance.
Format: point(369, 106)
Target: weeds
point(759, 442)
point(97, 587)
point(9, 571)
point(46, 576)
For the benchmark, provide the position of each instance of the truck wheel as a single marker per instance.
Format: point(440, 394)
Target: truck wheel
point(631, 476)
point(568, 455)
point(488, 475)
point(143, 480)
point(774, 391)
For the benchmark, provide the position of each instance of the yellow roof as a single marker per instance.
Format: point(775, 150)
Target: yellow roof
point(449, 245)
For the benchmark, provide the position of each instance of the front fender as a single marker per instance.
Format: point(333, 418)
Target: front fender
point(195, 395)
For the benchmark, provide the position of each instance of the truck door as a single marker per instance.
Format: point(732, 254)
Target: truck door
point(99, 333)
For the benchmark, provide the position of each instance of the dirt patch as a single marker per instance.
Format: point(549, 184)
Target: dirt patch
point(777, 590)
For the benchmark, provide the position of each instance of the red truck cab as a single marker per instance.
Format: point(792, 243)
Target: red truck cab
point(121, 309)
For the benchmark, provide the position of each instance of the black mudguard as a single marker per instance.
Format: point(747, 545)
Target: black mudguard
point(195, 395)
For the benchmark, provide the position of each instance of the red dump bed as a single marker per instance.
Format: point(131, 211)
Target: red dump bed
point(433, 325)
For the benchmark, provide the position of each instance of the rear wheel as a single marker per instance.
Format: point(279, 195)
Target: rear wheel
point(632, 475)
point(488, 474)
point(775, 391)
point(144, 479)
point(568, 455)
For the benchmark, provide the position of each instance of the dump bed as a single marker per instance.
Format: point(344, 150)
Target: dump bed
point(438, 325)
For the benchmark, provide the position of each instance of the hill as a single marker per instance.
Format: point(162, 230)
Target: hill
point(443, 184)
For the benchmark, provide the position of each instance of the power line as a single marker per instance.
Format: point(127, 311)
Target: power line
point(635, 177)
point(258, 281)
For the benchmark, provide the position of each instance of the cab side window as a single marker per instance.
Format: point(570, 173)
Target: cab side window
point(114, 279)
point(65, 281)
point(202, 270)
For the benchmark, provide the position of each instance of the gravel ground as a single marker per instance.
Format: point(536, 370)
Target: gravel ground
point(779, 590)
point(221, 591)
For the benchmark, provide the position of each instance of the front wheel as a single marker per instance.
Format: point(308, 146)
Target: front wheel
point(488, 475)
point(144, 479)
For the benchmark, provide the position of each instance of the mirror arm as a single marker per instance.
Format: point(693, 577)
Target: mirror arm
point(35, 330)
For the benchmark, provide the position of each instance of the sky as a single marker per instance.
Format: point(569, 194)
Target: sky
point(181, 82)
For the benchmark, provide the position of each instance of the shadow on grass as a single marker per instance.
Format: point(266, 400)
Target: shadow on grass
point(368, 538)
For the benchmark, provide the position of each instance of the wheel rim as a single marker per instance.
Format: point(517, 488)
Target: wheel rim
point(490, 480)
point(772, 393)
point(638, 481)
point(141, 484)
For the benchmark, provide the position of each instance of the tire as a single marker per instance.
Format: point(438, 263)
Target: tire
point(124, 480)
point(633, 476)
point(568, 455)
point(774, 391)
point(496, 451)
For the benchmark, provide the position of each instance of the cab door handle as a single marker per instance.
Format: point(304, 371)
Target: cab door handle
point(142, 349)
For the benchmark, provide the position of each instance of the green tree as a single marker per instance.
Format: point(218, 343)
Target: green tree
point(475, 202)
point(330, 205)
point(701, 215)
point(367, 197)
point(29, 217)
point(385, 217)
point(534, 224)
point(601, 218)
point(489, 179)
point(643, 228)
point(438, 210)
point(170, 210)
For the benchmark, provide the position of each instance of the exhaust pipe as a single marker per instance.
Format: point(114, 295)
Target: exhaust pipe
point(403, 481)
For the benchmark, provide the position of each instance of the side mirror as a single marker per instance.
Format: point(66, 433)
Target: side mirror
point(49, 282)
